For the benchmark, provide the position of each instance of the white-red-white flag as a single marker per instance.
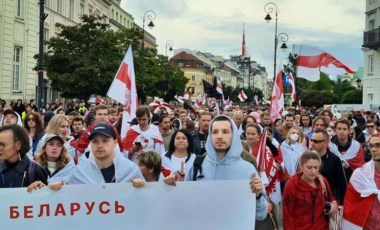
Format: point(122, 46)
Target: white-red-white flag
point(292, 88)
point(242, 97)
point(227, 103)
point(219, 87)
point(123, 90)
point(277, 100)
point(311, 59)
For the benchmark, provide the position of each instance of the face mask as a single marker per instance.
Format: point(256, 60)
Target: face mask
point(294, 137)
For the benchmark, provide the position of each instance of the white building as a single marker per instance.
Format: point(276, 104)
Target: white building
point(371, 44)
point(18, 44)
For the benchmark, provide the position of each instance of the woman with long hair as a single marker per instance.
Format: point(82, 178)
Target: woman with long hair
point(35, 129)
point(308, 199)
point(180, 157)
point(53, 157)
point(246, 121)
point(60, 124)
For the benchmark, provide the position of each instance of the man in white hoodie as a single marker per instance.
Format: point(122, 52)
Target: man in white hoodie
point(10, 117)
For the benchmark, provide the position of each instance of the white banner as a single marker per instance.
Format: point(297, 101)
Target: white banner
point(210, 205)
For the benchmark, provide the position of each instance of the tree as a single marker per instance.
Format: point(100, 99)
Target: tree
point(354, 96)
point(82, 60)
point(316, 98)
point(341, 87)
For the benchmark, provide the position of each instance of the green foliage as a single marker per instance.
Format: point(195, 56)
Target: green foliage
point(82, 60)
point(354, 96)
point(316, 98)
point(341, 87)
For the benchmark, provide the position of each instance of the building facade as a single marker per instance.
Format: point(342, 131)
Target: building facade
point(18, 44)
point(371, 45)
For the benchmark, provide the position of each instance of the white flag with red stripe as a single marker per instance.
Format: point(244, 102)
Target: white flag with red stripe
point(311, 59)
point(123, 90)
point(292, 87)
point(277, 100)
point(242, 96)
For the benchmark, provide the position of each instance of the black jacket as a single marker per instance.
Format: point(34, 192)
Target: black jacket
point(332, 170)
point(21, 174)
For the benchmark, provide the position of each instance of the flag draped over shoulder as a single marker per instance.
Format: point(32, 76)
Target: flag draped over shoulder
point(311, 59)
point(123, 90)
point(277, 99)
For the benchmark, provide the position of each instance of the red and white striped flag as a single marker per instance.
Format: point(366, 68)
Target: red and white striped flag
point(277, 99)
point(242, 97)
point(292, 87)
point(311, 59)
point(123, 90)
point(219, 87)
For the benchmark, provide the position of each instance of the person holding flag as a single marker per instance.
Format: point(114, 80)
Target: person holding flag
point(143, 137)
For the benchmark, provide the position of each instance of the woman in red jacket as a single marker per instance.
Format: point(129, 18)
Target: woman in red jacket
point(307, 198)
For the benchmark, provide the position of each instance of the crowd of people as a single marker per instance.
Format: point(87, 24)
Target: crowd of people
point(303, 167)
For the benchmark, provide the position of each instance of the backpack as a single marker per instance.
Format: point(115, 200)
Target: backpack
point(197, 166)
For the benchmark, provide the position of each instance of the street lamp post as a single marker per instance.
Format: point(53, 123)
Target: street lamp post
point(149, 15)
point(41, 98)
point(270, 8)
point(169, 44)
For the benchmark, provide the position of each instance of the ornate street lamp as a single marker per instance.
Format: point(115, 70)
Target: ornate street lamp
point(169, 44)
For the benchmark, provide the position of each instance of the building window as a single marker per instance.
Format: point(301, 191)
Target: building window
point(19, 8)
point(125, 22)
point(112, 14)
point(46, 38)
point(71, 9)
point(47, 2)
point(370, 64)
point(81, 9)
point(121, 19)
point(193, 77)
point(59, 6)
point(16, 80)
point(371, 24)
point(180, 64)
point(117, 16)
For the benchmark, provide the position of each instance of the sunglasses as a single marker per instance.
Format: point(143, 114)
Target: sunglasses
point(31, 119)
point(376, 145)
point(370, 126)
point(316, 141)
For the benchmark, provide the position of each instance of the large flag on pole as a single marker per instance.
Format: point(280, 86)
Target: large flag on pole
point(277, 99)
point(123, 90)
point(311, 59)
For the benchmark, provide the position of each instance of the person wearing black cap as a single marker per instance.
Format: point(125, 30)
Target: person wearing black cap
point(105, 163)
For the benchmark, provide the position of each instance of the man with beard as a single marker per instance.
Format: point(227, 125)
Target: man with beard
point(361, 203)
point(200, 137)
point(166, 132)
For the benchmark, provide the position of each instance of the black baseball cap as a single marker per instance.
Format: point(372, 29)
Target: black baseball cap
point(104, 129)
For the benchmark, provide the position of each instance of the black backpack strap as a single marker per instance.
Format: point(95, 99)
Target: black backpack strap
point(197, 167)
point(31, 170)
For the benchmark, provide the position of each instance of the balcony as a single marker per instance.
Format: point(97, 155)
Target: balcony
point(371, 39)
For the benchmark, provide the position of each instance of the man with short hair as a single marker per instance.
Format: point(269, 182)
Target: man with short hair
point(112, 116)
point(331, 167)
point(365, 135)
point(346, 148)
point(77, 126)
point(105, 163)
point(200, 136)
point(289, 123)
point(238, 118)
point(150, 166)
point(171, 115)
point(143, 136)
point(362, 202)
point(223, 161)
point(183, 116)
point(166, 132)
point(101, 117)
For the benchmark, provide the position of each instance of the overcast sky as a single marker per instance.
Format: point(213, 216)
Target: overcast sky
point(216, 26)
